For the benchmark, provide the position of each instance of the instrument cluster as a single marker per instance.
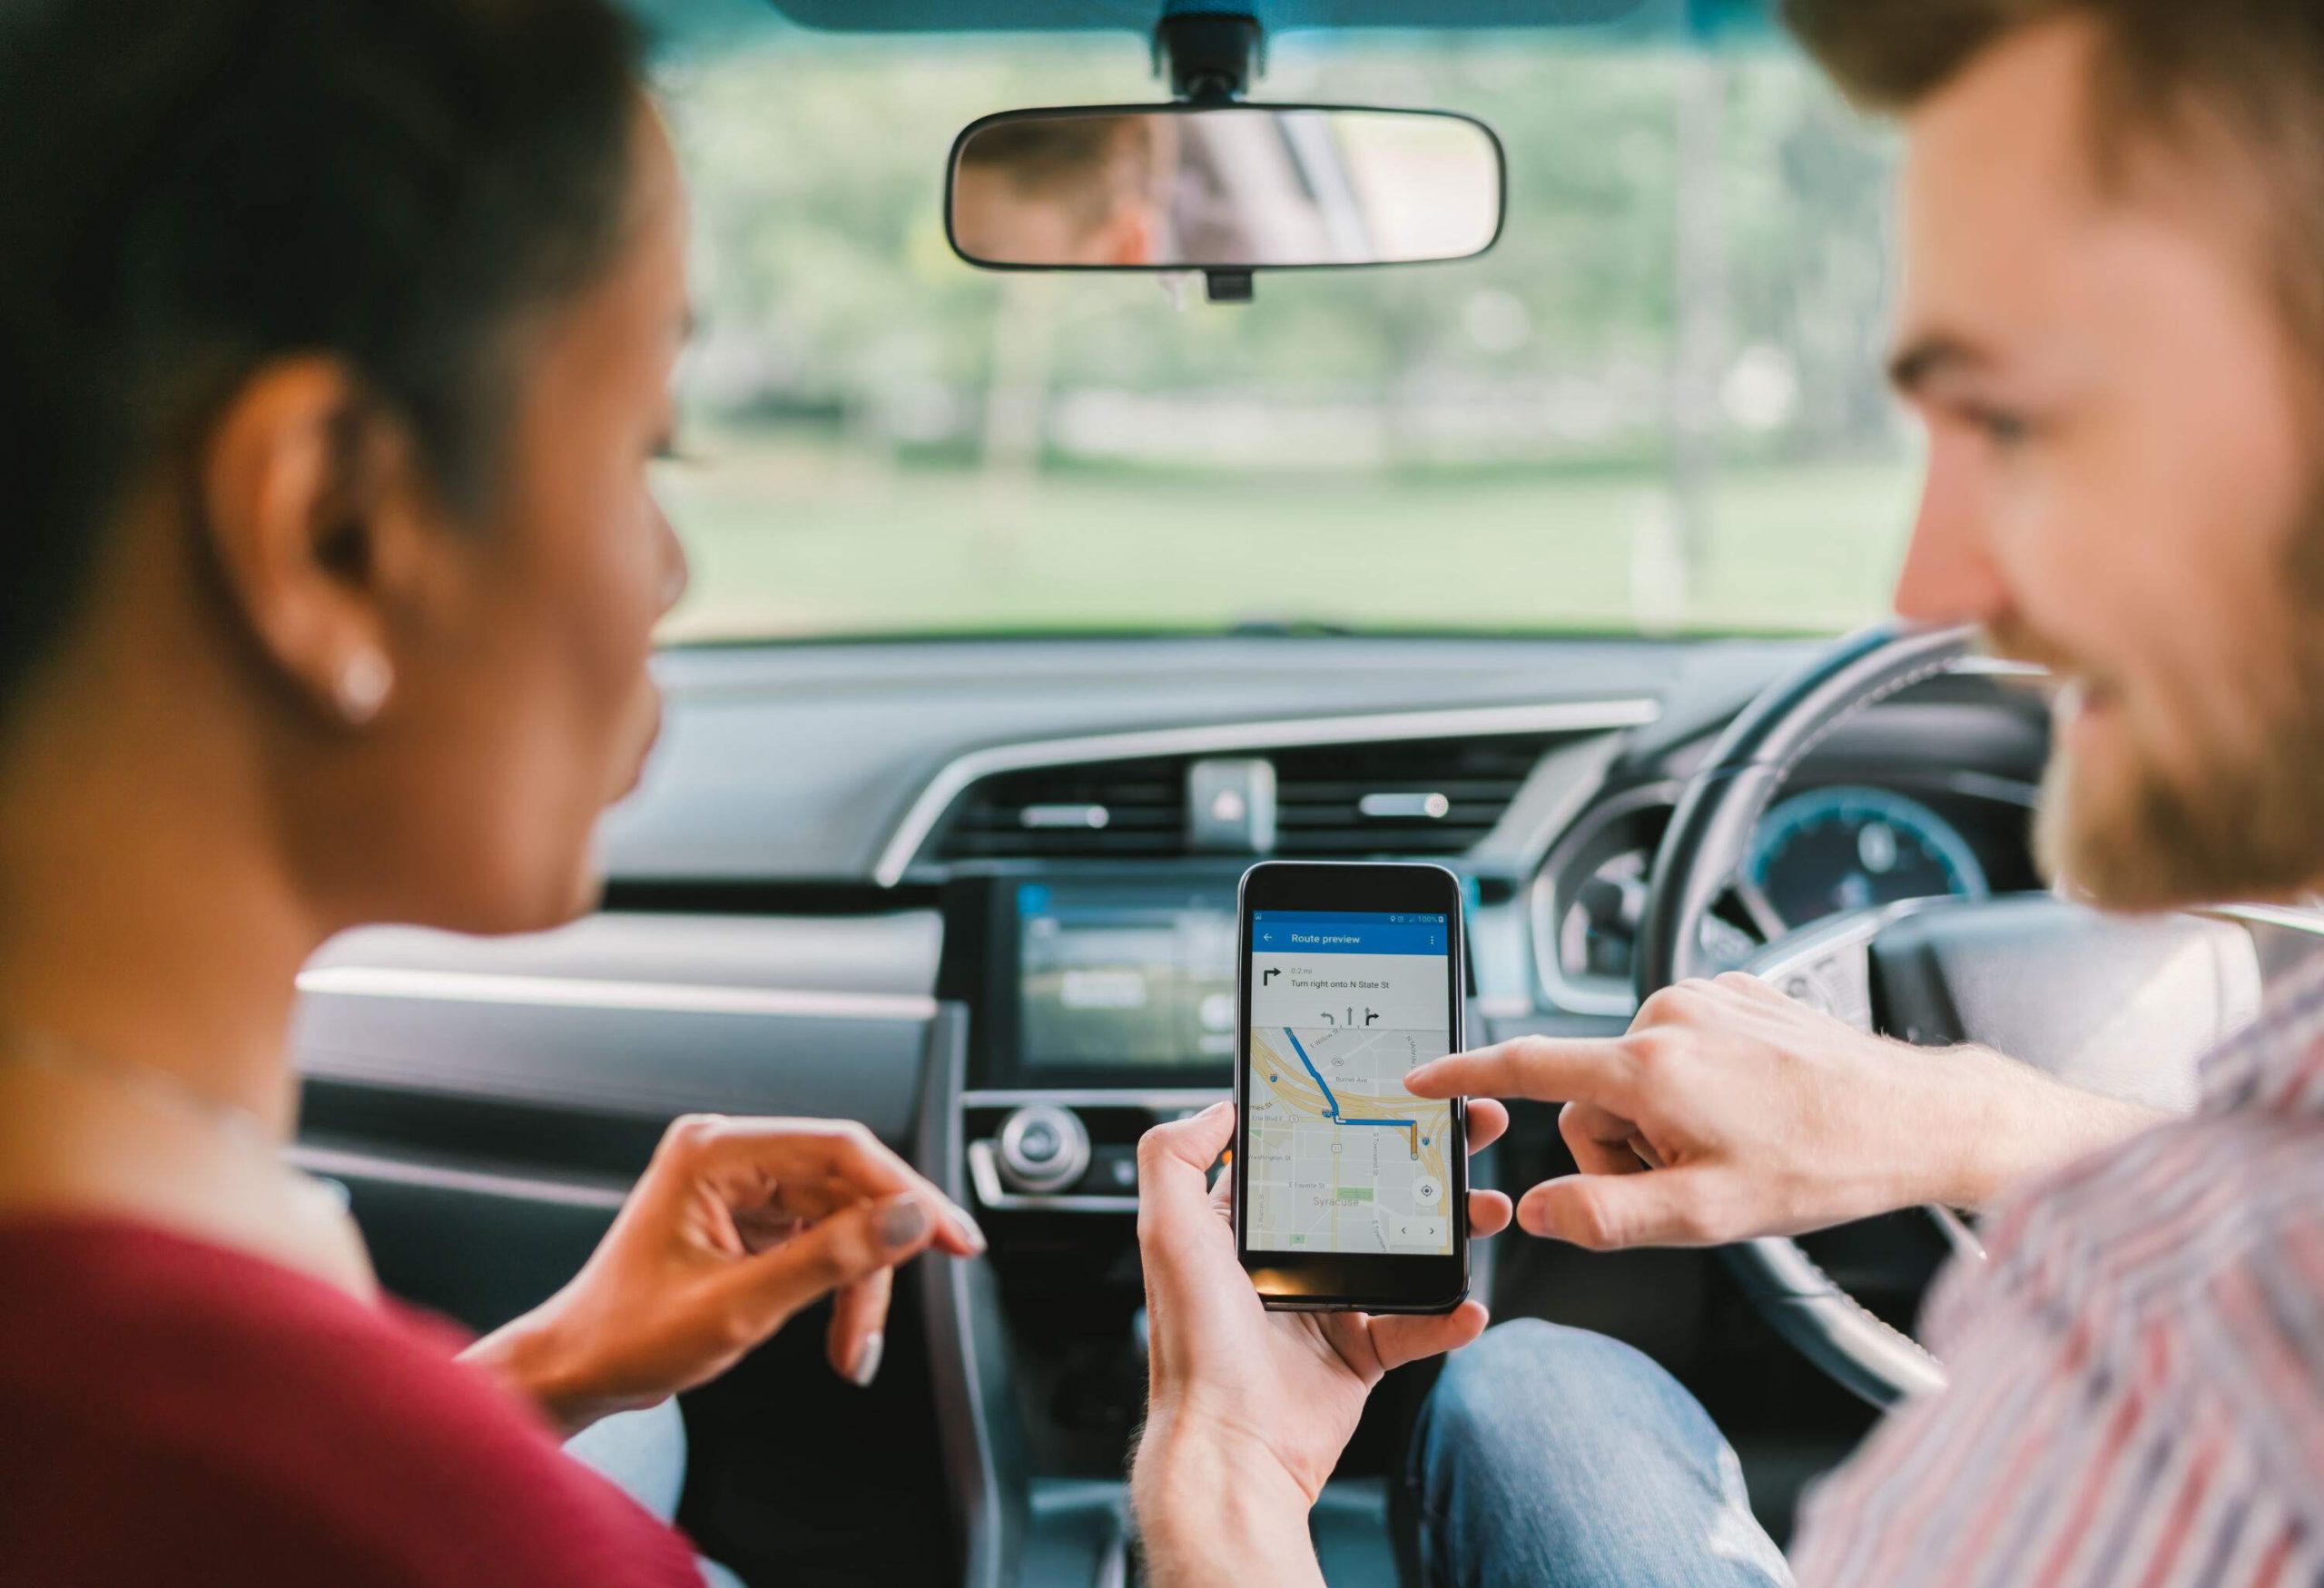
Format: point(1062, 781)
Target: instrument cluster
point(1821, 851)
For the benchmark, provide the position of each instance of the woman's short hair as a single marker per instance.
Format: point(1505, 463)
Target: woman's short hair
point(189, 191)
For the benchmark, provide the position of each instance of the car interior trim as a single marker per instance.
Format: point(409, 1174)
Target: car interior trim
point(1565, 782)
point(912, 834)
point(1978, 664)
point(590, 993)
point(1984, 785)
point(753, 1056)
point(984, 1174)
point(963, 1311)
point(2284, 917)
point(1549, 894)
point(341, 1163)
point(1160, 1101)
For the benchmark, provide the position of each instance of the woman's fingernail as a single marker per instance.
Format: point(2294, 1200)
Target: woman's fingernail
point(867, 1360)
point(968, 1228)
point(1215, 1107)
point(902, 1221)
point(1417, 1070)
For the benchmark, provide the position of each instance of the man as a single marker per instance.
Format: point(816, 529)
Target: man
point(2114, 309)
point(1064, 190)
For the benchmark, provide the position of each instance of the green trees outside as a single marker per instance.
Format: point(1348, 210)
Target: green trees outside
point(1657, 402)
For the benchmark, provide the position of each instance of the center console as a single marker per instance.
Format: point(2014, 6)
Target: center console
point(1105, 1004)
point(1099, 1004)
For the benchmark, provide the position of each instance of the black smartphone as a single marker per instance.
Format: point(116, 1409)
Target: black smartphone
point(1349, 1193)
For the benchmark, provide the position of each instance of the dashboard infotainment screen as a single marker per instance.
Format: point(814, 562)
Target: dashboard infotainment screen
point(1123, 976)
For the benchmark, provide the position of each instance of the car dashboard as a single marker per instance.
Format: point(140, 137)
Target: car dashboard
point(980, 897)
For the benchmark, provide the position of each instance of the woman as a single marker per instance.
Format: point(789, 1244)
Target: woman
point(338, 339)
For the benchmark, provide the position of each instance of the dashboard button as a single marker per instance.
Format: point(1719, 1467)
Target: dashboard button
point(1043, 1148)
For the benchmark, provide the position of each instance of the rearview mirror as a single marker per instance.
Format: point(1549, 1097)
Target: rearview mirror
point(1222, 188)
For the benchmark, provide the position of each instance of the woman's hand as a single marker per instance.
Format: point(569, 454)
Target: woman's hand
point(1249, 1409)
point(735, 1225)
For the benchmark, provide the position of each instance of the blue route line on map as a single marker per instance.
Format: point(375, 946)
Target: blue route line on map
point(1331, 1103)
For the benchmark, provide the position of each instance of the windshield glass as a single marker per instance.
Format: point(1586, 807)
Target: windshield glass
point(1655, 406)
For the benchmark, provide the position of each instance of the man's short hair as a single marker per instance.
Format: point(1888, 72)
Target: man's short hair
point(1090, 163)
point(1889, 54)
point(2216, 80)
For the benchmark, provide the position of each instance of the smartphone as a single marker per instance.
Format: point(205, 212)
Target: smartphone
point(1349, 1193)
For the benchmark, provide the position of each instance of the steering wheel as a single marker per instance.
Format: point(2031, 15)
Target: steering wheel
point(2118, 1005)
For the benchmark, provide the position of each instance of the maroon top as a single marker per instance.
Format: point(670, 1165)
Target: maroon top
point(172, 1412)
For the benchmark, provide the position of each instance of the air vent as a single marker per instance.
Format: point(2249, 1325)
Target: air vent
point(1411, 796)
point(1115, 810)
point(1401, 797)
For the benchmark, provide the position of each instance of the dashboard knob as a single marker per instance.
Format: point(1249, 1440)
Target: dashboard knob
point(1043, 1148)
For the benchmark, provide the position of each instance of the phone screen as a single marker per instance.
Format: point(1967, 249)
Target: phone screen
point(1338, 1156)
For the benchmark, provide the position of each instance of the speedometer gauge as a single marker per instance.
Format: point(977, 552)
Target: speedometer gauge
point(1844, 848)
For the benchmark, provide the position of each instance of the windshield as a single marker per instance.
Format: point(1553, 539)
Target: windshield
point(1655, 406)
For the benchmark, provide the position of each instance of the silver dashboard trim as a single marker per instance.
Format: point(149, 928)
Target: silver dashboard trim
point(340, 1161)
point(591, 992)
point(1979, 665)
point(1161, 1100)
point(984, 1173)
point(2284, 917)
point(926, 811)
point(1543, 900)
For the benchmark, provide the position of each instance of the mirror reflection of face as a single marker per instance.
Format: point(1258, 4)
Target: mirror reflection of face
point(1229, 187)
point(1081, 190)
point(2121, 483)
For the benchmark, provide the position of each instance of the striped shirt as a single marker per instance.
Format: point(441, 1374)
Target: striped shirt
point(2137, 1394)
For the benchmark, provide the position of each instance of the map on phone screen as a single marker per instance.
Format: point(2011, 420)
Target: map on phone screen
point(1340, 1158)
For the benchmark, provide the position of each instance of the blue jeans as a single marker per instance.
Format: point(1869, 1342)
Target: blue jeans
point(644, 1452)
point(1551, 1457)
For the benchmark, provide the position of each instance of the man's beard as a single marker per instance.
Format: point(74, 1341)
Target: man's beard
point(2247, 822)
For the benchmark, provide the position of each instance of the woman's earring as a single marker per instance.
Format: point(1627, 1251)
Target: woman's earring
point(365, 683)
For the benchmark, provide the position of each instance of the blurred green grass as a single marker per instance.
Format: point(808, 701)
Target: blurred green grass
point(809, 541)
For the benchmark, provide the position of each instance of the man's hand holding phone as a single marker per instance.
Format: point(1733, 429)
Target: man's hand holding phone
point(1249, 1409)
